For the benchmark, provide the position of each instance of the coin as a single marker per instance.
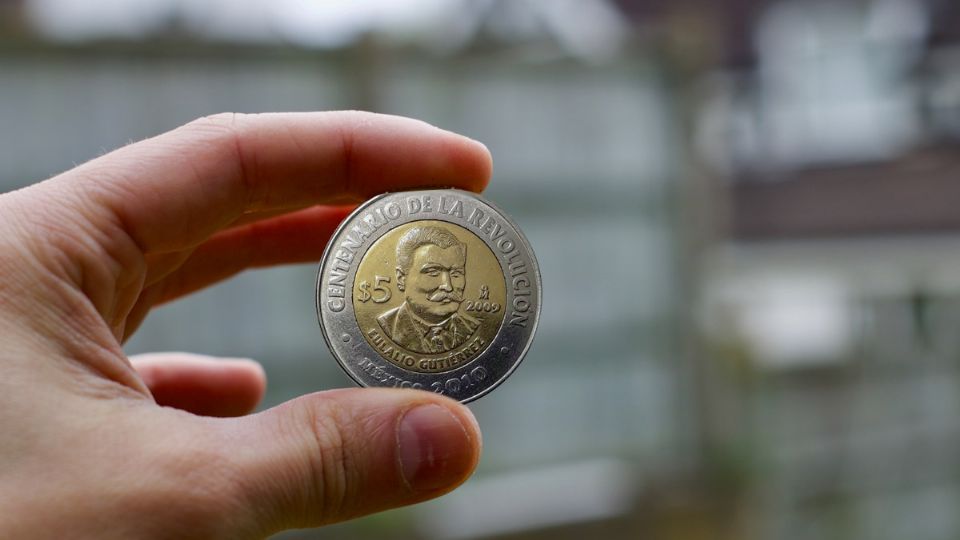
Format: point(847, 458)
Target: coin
point(435, 290)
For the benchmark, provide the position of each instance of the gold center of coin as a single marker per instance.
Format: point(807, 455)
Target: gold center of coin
point(429, 296)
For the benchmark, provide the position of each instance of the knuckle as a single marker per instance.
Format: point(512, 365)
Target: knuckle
point(76, 235)
point(219, 121)
point(221, 131)
point(226, 136)
point(334, 469)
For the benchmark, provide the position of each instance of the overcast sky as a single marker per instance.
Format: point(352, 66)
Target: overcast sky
point(318, 22)
point(585, 28)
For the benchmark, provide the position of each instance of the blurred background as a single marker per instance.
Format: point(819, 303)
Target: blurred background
point(746, 214)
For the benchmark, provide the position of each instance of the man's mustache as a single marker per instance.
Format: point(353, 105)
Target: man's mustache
point(440, 296)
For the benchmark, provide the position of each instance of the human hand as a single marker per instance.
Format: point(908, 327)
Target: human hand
point(95, 444)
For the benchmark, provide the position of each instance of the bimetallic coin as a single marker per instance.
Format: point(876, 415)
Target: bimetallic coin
point(436, 290)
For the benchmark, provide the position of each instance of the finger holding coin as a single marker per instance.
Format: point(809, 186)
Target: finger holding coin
point(435, 290)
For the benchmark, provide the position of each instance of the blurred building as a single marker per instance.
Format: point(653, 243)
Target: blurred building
point(831, 295)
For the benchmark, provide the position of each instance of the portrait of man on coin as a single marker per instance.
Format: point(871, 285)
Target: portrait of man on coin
point(431, 272)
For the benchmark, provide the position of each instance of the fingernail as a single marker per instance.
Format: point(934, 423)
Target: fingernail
point(434, 448)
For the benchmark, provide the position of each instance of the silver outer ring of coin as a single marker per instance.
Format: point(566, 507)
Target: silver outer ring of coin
point(338, 321)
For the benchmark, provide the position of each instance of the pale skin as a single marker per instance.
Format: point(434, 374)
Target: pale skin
point(99, 445)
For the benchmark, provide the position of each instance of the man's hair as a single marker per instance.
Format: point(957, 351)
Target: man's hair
point(422, 236)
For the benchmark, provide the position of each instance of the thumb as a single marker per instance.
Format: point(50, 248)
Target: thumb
point(340, 454)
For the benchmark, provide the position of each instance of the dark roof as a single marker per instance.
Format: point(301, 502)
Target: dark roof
point(916, 194)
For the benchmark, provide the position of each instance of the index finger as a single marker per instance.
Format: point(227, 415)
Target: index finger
point(175, 190)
